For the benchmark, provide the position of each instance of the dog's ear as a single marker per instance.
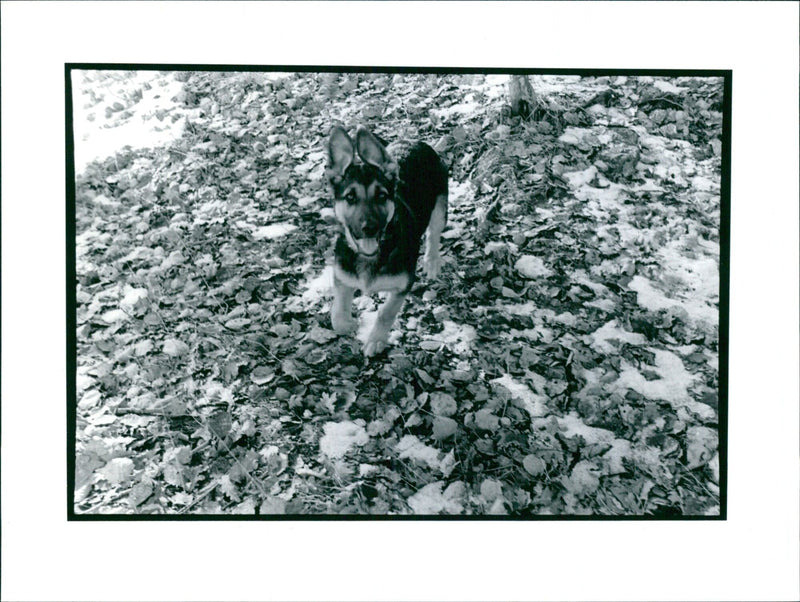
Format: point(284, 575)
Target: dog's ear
point(340, 152)
point(373, 152)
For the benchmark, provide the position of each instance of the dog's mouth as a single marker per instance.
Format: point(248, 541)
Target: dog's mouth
point(368, 247)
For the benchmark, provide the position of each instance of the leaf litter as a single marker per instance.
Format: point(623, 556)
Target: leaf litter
point(566, 361)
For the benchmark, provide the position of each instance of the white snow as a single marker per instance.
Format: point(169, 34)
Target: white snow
point(531, 266)
point(704, 184)
point(469, 106)
point(611, 331)
point(668, 87)
point(458, 337)
point(620, 448)
point(520, 309)
point(579, 179)
point(132, 296)
point(273, 231)
point(341, 437)
point(534, 403)
point(431, 500)
point(604, 304)
point(553, 85)
point(574, 425)
point(412, 448)
point(494, 85)
point(671, 386)
point(95, 141)
point(319, 287)
point(698, 308)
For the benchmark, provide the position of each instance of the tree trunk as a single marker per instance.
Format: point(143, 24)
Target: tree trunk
point(521, 96)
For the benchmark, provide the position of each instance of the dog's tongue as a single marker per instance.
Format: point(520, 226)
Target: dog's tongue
point(368, 246)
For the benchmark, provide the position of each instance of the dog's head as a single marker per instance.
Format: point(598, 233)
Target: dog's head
point(364, 191)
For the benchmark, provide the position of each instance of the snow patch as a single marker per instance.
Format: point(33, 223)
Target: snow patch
point(604, 304)
point(534, 403)
point(132, 297)
point(531, 266)
point(574, 425)
point(412, 448)
point(705, 184)
point(611, 331)
point(491, 247)
point(653, 299)
point(556, 84)
point(520, 309)
point(341, 437)
point(620, 448)
point(694, 262)
point(94, 140)
point(470, 106)
point(458, 337)
point(431, 500)
point(578, 179)
point(494, 85)
point(273, 231)
point(672, 385)
point(319, 287)
point(600, 202)
point(668, 87)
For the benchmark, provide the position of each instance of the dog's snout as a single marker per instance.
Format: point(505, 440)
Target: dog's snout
point(370, 227)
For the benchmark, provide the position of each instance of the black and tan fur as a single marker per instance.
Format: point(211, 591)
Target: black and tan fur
point(385, 202)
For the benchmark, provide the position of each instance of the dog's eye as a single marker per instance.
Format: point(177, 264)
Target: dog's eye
point(350, 197)
point(380, 195)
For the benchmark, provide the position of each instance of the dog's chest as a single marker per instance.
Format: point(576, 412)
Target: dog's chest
point(369, 283)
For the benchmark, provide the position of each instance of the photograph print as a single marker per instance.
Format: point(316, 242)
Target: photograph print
point(397, 294)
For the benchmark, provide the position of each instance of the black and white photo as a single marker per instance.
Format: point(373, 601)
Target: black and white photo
point(255, 337)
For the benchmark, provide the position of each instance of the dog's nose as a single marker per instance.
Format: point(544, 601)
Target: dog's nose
point(370, 228)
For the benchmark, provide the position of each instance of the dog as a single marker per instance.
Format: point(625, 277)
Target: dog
point(384, 203)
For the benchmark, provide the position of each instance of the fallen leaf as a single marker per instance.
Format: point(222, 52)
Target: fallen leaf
point(534, 465)
point(273, 505)
point(443, 428)
point(485, 420)
point(237, 323)
point(701, 445)
point(262, 375)
point(491, 490)
point(220, 424)
point(175, 348)
point(140, 492)
point(443, 404)
point(118, 470)
point(321, 335)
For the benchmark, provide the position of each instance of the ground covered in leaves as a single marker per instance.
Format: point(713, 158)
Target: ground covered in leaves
point(565, 362)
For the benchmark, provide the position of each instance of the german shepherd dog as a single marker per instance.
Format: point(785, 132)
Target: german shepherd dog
point(384, 203)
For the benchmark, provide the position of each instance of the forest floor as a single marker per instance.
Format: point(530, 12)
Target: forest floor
point(565, 362)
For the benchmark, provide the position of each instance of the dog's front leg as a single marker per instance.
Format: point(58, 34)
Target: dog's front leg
point(342, 309)
point(379, 335)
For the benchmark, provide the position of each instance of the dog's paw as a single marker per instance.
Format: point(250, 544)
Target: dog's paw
point(343, 324)
point(376, 342)
point(432, 265)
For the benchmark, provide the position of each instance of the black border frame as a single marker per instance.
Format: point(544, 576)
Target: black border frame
point(724, 283)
